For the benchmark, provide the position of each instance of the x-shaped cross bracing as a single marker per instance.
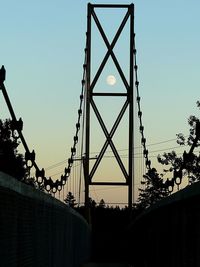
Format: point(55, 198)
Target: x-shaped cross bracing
point(128, 94)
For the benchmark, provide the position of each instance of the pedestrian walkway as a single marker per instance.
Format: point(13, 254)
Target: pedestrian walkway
point(106, 264)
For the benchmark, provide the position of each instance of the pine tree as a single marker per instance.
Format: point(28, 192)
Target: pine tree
point(70, 200)
point(154, 190)
point(102, 204)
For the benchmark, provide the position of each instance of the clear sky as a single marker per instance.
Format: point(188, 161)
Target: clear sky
point(42, 48)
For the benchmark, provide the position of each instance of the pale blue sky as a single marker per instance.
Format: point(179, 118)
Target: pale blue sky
point(42, 47)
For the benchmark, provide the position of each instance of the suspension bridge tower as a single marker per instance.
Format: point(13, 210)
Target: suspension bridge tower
point(94, 95)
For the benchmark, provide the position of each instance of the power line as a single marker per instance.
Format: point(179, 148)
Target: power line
point(162, 142)
point(152, 144)
point(56, 164)
point(122, 156)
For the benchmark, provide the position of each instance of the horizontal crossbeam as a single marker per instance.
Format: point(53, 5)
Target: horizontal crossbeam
point(109, 183)
point(110, 6)
point(109, 94)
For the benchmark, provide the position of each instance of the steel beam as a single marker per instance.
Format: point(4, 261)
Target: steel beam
point(128, 84)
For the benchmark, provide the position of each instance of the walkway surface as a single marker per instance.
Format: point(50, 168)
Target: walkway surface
point(106, 264)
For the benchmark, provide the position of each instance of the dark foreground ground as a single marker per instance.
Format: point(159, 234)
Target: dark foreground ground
point(110, 239)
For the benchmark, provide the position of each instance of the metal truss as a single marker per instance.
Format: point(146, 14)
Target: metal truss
point(127, 95)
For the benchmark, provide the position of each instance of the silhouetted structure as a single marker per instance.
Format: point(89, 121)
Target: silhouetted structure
point(127, 94)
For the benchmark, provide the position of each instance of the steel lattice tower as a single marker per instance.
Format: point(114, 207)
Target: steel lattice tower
point(127, 96)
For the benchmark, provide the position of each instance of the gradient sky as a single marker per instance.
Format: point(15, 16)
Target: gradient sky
point(42, 48)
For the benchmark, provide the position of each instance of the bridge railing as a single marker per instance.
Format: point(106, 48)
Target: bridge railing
point(168, 233)
point(38, 230)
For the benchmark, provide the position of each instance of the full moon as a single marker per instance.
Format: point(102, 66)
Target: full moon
point(111, 80)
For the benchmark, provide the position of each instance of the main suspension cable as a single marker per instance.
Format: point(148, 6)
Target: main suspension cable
point(141, 128)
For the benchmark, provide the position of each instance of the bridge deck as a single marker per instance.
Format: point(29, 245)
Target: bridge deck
point(106, 264)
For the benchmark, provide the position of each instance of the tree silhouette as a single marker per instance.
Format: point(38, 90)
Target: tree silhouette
point(70, 200)
point(102, 204)
point(92, 203)
point(154, 190)
point(187, 165)
point(11, 162)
